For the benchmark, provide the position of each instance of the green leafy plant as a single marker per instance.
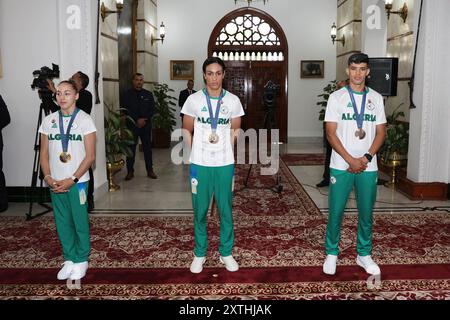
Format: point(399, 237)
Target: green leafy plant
point(397, 134)
point(118, 138)
point(164, 117)
point(329, 89)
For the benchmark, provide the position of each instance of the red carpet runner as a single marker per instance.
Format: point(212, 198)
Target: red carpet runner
point(279, 246)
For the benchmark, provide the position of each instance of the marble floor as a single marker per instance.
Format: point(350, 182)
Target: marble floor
point(169, 194)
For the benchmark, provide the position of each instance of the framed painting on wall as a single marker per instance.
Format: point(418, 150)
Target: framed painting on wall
point(181, 69)
point(312, 69)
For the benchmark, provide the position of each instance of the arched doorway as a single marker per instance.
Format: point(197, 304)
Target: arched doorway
point(255, 50)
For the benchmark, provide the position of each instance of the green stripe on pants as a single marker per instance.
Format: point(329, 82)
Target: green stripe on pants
point(206, 181)
point(72, 222)
point(342, 183)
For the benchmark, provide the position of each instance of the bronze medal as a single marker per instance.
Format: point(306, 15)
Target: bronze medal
point(64, 157)
point(362, 134)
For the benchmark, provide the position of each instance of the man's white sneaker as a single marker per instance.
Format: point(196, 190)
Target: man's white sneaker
point(329, 266)
point(79, 270)
point(197, 264)
point(230, 264)
point(65, 271)
point(368, 264)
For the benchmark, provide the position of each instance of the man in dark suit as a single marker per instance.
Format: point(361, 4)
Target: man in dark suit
point(184, 94)
point(140, 106)
point(5, 119)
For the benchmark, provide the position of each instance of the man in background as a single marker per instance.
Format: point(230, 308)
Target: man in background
point(184, 94)
point(140, 106)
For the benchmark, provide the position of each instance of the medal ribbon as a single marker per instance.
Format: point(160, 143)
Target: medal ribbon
point(359, 116)
point(214, 118)
point(65, 136)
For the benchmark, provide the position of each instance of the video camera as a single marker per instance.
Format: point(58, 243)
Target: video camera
point(41, 76)
point(271, 90)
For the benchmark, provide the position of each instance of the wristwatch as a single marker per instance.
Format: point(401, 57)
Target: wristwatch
point(368, 157)
point(75, 179)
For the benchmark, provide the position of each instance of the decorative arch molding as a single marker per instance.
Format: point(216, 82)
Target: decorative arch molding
point(254, 48)
point(247, 29)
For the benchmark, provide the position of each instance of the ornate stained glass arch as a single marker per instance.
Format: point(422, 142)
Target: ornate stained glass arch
point(248, 30)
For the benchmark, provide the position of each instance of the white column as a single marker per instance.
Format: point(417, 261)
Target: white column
point(374, 28)
point(429, 139)
point(77, 28)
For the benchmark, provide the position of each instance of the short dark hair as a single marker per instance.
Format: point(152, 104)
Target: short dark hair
point(212, 60)
point(84, 79)
point(137, 74)
point(358, 58)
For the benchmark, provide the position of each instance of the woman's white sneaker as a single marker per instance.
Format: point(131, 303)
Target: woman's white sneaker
point(79, 270)
point(65, 271)
point(329, 266)
point(230, 264)
point(197, 264)
point(368, 264)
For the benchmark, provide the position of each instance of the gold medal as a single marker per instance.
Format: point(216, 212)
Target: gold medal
point(65, 157)
point(213, 138)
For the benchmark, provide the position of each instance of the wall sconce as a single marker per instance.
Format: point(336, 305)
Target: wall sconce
point(162, 34)
point(334, 33)
point(403, 12)
point(104, 11)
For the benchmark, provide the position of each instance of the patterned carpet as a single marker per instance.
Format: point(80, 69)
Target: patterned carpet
point(304, 159)
point(279, 246)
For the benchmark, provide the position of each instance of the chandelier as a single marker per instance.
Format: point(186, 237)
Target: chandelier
point(250, 1)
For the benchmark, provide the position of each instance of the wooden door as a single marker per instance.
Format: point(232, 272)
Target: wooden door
point(247, 80)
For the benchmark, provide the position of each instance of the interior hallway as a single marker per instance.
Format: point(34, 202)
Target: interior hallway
point(170, 193)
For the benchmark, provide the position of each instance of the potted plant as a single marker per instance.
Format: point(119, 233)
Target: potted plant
point(397, 137)
point(329, 89)
point(118, 140)
point(394, 152)
point(164, 119)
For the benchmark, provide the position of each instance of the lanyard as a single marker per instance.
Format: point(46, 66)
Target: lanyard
point(359, 116)
point(214, 118)
point(65, 136)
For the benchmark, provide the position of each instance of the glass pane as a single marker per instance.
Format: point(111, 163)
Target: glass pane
point(272, 37)
point(231, 28)
point(264, 28)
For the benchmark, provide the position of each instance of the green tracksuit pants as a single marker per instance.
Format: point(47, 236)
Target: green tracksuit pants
point(206, 181)
point(72, 222)
point(341, 184)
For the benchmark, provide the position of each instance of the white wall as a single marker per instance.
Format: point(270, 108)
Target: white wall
point(429, 137)
point(34, 34)
point(307, 27)
point(29, 40)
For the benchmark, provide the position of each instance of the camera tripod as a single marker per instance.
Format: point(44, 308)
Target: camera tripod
point(269, 124)
point(34, 190)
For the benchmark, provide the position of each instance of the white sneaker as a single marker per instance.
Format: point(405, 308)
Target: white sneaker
point(329, 266)
point(65, 271)
point(197, 264)
point(230, 264)
point(79, 270)
point(368, 264)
